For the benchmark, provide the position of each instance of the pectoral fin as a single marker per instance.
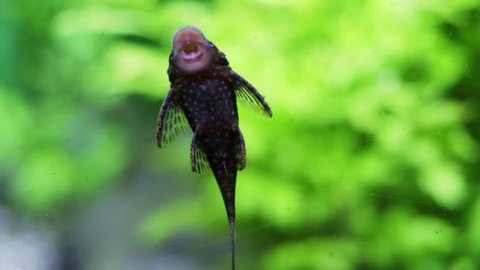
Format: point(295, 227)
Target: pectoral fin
point(171, 120)
point(248, 95)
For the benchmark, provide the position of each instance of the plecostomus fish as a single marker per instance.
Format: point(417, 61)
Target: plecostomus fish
point(203, 94)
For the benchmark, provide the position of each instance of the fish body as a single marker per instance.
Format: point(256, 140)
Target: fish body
point(203, 95)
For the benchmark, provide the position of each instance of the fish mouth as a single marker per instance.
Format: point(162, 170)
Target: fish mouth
point(191, 52)
point(191, 49)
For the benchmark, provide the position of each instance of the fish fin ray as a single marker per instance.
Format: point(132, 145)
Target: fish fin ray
point(171, 121)
point(240, 152)
point(249, 96)
point(232, 241)
point(198, 158)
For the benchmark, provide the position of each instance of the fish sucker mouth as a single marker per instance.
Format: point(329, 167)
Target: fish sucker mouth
point(191, 53)
point(191, 50)
point(190, 47)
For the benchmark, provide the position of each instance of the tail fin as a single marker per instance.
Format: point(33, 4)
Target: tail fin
point(227, 188)
point(226, 174)
point(225, 158)
point(232, 238)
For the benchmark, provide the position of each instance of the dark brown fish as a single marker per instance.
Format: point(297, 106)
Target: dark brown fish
point(203, 94)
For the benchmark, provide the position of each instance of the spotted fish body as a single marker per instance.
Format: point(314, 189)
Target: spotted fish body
point(203, 95)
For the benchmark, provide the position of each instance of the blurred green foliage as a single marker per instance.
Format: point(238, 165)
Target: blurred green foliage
point(370, 161)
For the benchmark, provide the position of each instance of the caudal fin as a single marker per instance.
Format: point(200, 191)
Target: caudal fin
point(232, 242)
point(225, 158)
point(226, 180)
point(228, 194)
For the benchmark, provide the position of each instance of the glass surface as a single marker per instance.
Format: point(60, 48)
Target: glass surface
point(370, 161)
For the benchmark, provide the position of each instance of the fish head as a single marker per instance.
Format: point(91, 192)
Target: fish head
point(192, 52)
